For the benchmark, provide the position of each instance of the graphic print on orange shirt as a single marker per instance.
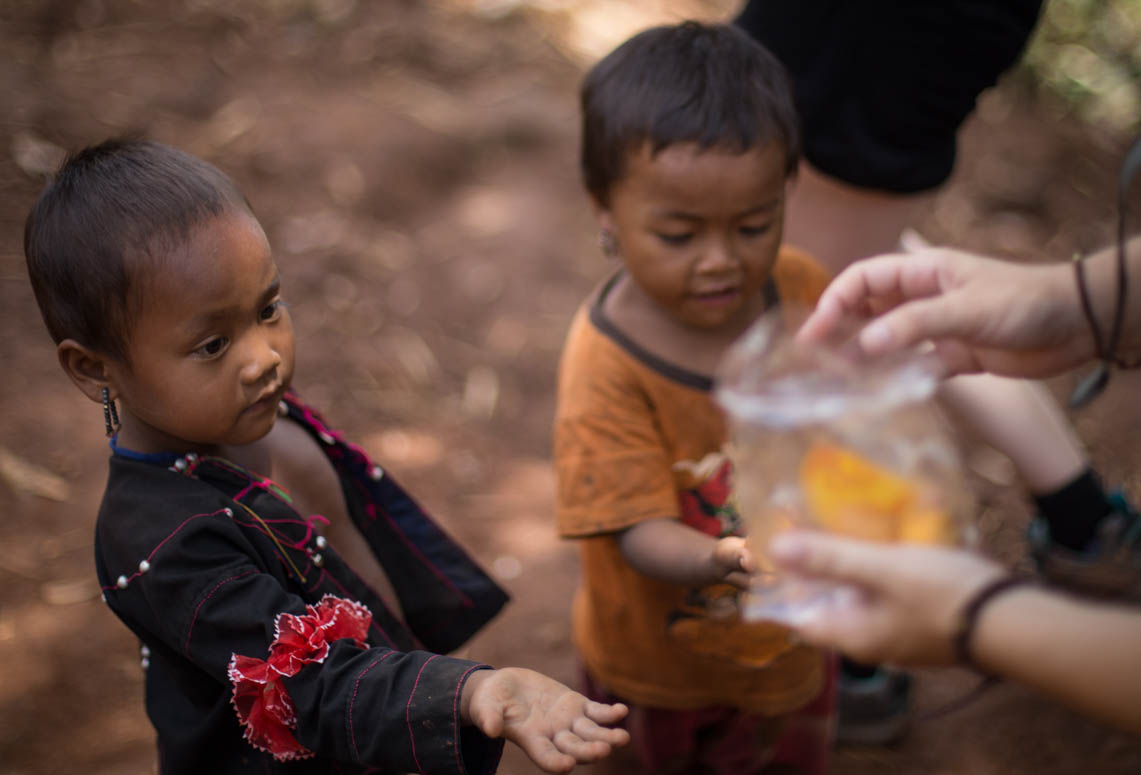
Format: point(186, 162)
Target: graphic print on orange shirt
point(706, 495)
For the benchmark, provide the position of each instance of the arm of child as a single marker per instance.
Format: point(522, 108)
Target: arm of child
point(668, 550)
point(1019, 419)
point(555, 726)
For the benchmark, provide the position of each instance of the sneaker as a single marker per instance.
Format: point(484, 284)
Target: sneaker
point(872, 710)
point(1110, 567)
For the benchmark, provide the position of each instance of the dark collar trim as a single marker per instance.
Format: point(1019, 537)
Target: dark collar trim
point(669, 370)
point(160, 458)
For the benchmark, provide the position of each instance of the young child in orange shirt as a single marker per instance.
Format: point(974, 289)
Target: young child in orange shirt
point(688, 148)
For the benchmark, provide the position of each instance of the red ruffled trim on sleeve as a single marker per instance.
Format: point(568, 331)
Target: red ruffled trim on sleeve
point(263, 706)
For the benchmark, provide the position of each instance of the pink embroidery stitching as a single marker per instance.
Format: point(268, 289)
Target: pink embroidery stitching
point(371, 508)
point(353, 700)
point(198, 608)
point(263, 705)
point(376, 626)
point(456, 715)
point(408, 712)
point(309, 530)
point(318, 422)
point(159, 545)
point(317, 582)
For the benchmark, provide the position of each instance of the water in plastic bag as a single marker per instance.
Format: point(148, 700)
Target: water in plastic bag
point(824, 437)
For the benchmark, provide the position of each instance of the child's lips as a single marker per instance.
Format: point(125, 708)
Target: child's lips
point(269, 399)
point(718, 295)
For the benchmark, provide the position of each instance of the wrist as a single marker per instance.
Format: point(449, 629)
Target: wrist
point(1131, 328)
point(1101, 277)
point(712, 568)
point(471, 687)
point(1065, 302)
point(970, 615)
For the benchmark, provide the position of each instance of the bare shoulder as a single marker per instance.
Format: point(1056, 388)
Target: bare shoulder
point(291, 444)
point(300, 466)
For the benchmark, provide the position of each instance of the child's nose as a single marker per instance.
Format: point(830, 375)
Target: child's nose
point(262, 359)
point(717, 257)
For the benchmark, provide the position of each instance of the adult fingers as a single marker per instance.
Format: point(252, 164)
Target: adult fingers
point(868, 287)
point(851, 628)
point(890, 276)
point(941, 317)
point(824, 556)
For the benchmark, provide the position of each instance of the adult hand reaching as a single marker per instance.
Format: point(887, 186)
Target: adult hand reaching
point(907, 602)
point(905, 599)
point(982, 314)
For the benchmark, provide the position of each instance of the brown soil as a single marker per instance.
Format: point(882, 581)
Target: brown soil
point(414, 166)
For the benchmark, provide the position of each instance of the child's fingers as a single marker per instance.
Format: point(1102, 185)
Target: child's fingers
point(582, 750)
point(604, 713)
point(731, 555)
point(588, 730)
point(739, 580)
point(546, 755)
point(747, 560)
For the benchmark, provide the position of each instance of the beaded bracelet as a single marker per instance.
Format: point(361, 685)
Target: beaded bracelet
point(968, 618)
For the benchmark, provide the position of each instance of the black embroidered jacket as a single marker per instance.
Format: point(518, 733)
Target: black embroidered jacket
point(260, 653)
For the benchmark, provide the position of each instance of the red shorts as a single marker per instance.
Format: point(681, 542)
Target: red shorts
point(727, 741)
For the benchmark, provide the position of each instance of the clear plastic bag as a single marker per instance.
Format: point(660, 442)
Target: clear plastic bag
point(826, 438)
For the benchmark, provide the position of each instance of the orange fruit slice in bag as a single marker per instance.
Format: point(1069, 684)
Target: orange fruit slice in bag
point(850, 495)
point(926, 526)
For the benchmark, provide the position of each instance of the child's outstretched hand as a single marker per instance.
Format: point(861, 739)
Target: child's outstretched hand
point(554, 725)
point(733, 561)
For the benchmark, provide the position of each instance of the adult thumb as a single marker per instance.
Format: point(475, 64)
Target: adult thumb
point(822, 556)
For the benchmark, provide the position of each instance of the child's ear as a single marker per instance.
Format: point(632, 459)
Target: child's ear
point(604, 218)
point(86, 368)
point(607, 236)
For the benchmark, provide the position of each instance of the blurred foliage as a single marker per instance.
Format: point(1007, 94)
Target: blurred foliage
point(1088, 54)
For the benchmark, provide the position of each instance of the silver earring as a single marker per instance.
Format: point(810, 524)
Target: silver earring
point(110, 414)
point(608, 242)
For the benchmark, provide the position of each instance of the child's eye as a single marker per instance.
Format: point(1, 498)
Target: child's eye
point(272, 310)
point(212, 348)
point(674, 239)
point(755, 231)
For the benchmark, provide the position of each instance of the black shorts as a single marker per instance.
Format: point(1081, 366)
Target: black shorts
point(882, 86)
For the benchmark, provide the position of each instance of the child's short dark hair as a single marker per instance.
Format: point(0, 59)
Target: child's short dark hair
point(109, 207)
point(708, 84)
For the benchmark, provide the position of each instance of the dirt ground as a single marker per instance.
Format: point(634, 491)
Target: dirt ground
point(414, 166)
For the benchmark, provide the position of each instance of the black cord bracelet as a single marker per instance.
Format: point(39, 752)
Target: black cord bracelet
point(1092, 385)
point(968, 619)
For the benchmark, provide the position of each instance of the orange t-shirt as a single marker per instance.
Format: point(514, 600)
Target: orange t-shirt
point(637, 438)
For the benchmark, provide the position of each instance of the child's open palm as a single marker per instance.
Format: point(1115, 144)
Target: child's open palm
point(555, 726)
